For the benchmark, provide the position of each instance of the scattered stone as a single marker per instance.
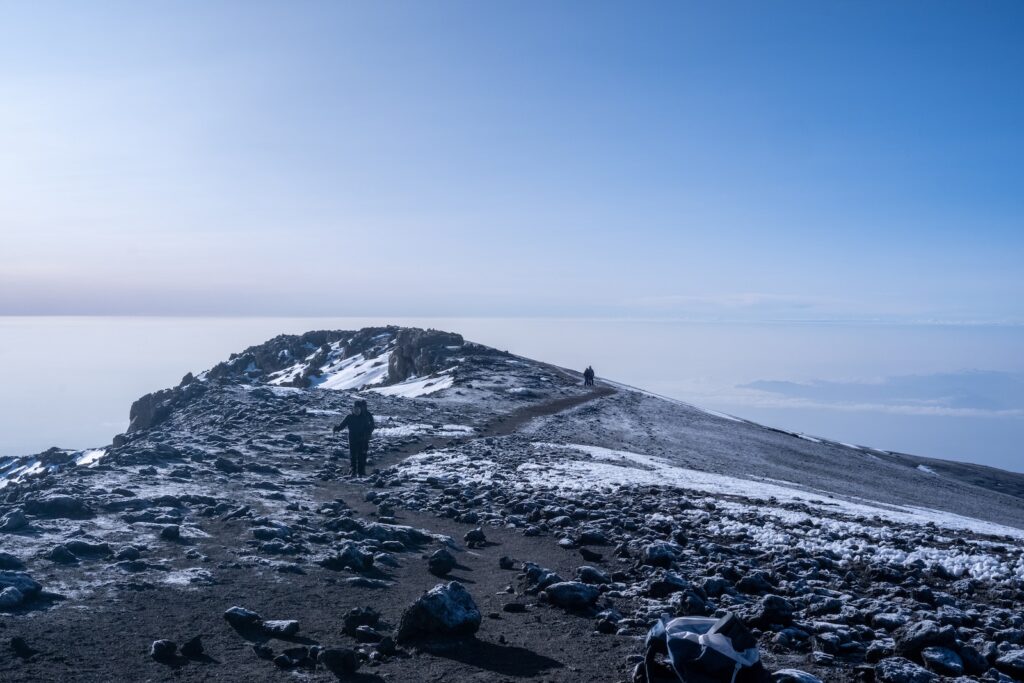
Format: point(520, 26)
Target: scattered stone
point(280, 628)
point(571, 595)
point(240, 617)
point(9, 561)
point(1012, 663)
point(441, 563)
point(475, 538)
point(659, 555)
point(942, 661)
point(340, 661)
point(171, 532)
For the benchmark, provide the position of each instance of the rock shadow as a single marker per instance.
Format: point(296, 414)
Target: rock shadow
point(505, 660)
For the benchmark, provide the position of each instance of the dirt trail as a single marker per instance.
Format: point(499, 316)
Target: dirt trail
point(502, 426)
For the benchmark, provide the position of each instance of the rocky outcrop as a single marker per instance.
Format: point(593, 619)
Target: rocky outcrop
point(422, 352)
point(154, 408)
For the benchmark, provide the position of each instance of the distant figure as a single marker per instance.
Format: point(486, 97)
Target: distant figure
point(588, 377)
point(360, 426)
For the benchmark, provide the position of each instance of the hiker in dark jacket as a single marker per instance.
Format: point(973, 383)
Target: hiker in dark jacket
point(360, 426)
point(588, 377)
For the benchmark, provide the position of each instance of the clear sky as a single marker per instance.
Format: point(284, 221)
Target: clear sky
point(762, 160)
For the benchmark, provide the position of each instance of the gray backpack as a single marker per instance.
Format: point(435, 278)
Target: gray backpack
point(700, 650)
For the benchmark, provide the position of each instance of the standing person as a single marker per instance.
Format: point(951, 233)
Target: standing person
point(360, 426)
point(588, 377)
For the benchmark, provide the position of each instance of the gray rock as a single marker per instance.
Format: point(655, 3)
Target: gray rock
point(659, 554)
point(913, 638)
point(571, 595)
point(163, 650)
point(240, 617)
point(58, 507)
point(340, 661)
point(11, 597)
point(441, 563)
point(281, 627)
point(14, 520)
point(475, 538)
point(22, 581)
point(900, 670)
point(445, 610)
point(84, 548)
point(1012, 663)
point(351, 557)
point(592, 575)
point(171, 532)
point(772, 610)
point(9, 561)
point(942, 661)
point(61, 555)
point(227, 466)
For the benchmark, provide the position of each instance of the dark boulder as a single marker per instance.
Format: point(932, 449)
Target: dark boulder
point(163, 650)
point(445, 610)
point(441, 563)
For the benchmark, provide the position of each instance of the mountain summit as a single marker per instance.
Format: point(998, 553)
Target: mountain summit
point(571, 517)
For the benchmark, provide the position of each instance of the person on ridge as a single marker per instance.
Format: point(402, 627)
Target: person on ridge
point(588, 377)
point(360, 426)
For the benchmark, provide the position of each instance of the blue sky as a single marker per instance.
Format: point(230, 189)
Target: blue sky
point(753, 161)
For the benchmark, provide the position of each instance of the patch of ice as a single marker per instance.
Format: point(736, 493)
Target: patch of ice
point(616, 468)
point(416, 387)
point(929, 470)
point(90, 457)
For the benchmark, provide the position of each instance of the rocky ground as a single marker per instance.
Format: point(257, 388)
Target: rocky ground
point(515, 526)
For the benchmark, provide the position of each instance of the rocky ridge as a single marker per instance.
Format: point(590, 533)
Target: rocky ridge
point(494, 538)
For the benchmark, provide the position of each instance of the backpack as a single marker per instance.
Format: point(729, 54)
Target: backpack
point(700, 650)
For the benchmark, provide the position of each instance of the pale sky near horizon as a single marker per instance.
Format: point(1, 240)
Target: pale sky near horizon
point(733, 160)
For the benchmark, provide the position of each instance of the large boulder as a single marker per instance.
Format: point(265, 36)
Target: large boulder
point(445, 610)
